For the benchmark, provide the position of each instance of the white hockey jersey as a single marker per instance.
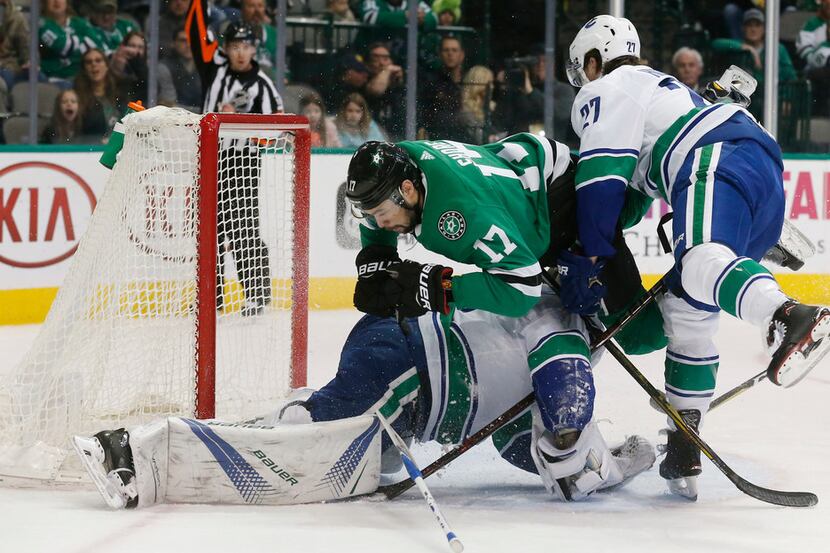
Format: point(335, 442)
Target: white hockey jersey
point(480, 363)
point(637, 126)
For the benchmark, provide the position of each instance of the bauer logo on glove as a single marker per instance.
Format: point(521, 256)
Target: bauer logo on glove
point(423, 287)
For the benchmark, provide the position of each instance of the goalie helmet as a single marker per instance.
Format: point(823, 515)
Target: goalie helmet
point(612, 37)
point(376, 172)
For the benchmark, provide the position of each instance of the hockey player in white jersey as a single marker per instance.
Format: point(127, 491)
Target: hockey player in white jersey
point(445, 379)
point(722, 175)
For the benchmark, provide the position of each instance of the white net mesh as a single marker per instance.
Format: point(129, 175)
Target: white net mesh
point(119, 345)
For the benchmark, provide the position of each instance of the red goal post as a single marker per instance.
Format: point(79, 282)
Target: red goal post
point(211, 124)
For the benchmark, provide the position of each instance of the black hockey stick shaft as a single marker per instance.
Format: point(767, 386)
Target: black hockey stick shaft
point(394, 490)
point(786, 499)
point(738, 390)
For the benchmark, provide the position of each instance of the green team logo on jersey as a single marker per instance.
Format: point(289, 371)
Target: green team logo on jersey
point(452, 225)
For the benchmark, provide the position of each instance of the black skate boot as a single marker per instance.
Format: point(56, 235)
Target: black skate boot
point(797, 338)
point(681, 466)
point(108, 459)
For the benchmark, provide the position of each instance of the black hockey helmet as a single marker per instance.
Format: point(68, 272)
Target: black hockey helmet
point(240, 32)
point(376, 172)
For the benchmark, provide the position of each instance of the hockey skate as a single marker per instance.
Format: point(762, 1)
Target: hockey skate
point(797, 338)
point(108, 460)
point(634, 455)
point(681, 466)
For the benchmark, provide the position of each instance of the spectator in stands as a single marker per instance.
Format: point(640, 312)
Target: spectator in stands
point(101, 96)
point(520, 100)
point(354, 123)
point(351, 77)
point(563, 94)
point(171, 19)
point(476, 104)
point(688, 68)
point(753, 46)
point(813, 46)
point(388, 19)
point(441, 93)
point(448, 12)
point(111, 28)
point(129, 65)
point(66, 124)
point(323, 130)
point(14, 43)
point(179, 63)
point(733, 12)
point(393, 13)
point(384, 91)
point(64, 38)
point(340, 11)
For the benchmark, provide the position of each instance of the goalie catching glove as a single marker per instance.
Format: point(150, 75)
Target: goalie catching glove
point(422, 287)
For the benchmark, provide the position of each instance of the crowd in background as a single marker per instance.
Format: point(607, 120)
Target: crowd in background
point(93, 61)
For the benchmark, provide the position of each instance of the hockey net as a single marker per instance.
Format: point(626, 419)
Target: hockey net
point(187, 295)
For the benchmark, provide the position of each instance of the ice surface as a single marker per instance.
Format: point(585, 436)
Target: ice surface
point(772, 436)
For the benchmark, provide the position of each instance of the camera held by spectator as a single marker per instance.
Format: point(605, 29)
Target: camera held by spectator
point(517, 73)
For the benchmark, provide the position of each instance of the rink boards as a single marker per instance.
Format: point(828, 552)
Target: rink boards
point(47, 196)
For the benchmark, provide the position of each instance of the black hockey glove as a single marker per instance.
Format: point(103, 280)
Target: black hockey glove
point(423, 287)
point(581, 288)
point(375, 292)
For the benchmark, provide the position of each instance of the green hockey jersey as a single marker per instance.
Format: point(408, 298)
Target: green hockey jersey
point(486, 206)
point(112, 39)
point(61, 48)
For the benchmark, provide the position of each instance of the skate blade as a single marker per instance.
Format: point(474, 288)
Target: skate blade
point(91, 454)
point(684, 487)
point(806, 354)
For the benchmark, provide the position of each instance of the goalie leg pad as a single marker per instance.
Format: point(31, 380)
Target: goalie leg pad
point(213, 462)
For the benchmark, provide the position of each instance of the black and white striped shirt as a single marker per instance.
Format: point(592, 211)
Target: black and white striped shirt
point(249, 92)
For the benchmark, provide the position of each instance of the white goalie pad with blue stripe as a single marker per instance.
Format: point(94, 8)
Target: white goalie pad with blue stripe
point(180, 460)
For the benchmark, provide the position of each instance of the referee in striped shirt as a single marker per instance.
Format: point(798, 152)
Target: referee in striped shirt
point(233, 83)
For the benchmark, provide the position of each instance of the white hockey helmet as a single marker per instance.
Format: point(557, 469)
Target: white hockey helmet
point(611, 36)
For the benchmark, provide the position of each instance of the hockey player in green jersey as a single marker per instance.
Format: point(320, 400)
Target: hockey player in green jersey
point(482, 205)
point(507, 208)
point(722, 174)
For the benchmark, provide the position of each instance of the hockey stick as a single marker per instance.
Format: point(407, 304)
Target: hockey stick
point(394, 490)
point(415, 474)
